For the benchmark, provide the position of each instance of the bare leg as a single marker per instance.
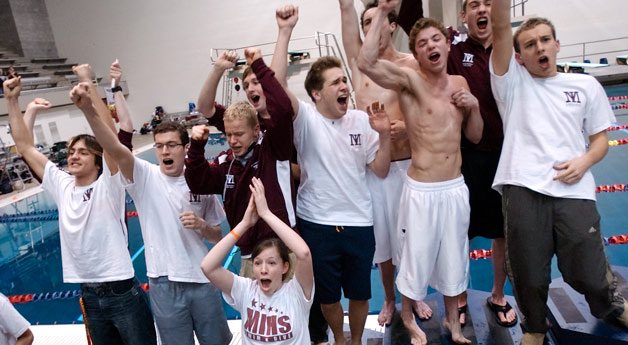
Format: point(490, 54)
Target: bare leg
point(335, 318)
point(387, 272)
point(499, 278)
point(417, 336)
point(422, 310)
point(462, 301)
point(452, 322)
point(358, 311)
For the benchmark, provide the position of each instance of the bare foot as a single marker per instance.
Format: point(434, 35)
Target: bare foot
point(456, 333)
point(417, 336)
point(422, 310)
point(386, 314)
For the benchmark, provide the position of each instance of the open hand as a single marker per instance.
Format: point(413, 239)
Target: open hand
point(378, 118)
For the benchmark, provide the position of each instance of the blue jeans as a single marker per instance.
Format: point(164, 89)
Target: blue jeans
point(118, 313)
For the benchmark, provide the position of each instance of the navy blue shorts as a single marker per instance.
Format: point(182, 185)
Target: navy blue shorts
point(342, 257)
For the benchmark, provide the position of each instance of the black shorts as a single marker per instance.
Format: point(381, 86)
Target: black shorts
point(478, 168)
point(342, 258)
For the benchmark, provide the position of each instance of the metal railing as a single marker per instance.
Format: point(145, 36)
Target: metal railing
point(588, 49)
point(325, 43)
point(518, 5)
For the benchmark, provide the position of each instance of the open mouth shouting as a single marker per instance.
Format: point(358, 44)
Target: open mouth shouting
point(265, 283)
point(434, 57)
point(342, 100)
point(544, 61)
point(167, 162)
point(255, 100)
point(482, 23)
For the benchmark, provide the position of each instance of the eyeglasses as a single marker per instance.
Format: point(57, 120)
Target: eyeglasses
point(170, 145)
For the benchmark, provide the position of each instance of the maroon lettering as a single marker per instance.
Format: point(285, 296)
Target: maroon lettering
point(252, 320)
point(284, 324)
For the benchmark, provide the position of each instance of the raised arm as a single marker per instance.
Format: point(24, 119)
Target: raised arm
point(207, 97)
point(120, 154)
point(212, 262)
point(381, 124)
point(21, 135)
point(502, 36)
point(278, 105)
point(382, 72)
point(31, 111)
point(303, 270)
point(86, 76)
point(287, 17)
point(350, 24)
point(122, 108)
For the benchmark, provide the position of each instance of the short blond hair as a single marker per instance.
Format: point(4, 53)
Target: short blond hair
point(241, 111)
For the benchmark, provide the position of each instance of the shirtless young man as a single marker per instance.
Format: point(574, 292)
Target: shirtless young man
point(385, 191)
point(437, 108)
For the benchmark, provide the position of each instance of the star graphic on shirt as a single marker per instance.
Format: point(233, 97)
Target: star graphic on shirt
point(262, 306)
point(253, 302)
point(270, 308)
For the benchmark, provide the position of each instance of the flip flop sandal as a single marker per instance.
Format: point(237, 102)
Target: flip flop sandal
point(496, 309)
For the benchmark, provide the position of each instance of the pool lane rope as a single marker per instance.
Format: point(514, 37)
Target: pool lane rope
point(49, 296)
point(479, 254)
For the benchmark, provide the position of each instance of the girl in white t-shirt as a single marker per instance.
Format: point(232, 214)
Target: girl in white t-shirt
point(273, 310)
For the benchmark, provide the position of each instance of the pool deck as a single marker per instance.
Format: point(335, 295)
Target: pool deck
point(75, 334)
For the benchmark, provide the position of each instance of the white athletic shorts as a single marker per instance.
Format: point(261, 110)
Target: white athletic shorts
point(385, 193)
point(432, 233)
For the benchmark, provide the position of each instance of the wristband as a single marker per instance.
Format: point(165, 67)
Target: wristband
point(235, 235)
point(116, 89)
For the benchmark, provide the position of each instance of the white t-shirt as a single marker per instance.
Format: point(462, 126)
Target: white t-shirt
point(170, 249)
point(93, 234)
point(333, 156)
point(280, 319)
point(545, 123)
point(12, 324)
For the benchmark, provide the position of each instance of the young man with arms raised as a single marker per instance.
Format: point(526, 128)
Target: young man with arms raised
point(470, 59)
point(174, 223)
point(334, 210)
point(434, 206)
point(91, 225)
point(385, 192)
point(544, 172)
point(268, 133)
